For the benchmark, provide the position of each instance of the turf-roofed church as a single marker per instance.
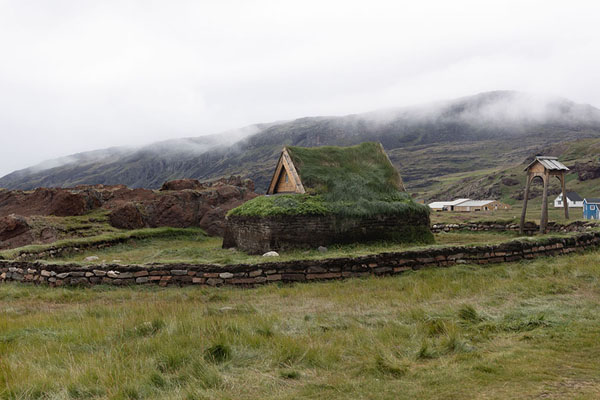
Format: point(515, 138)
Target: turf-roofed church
point(325, 195)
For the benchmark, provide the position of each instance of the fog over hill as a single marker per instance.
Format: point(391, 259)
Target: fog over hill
point(423, 141)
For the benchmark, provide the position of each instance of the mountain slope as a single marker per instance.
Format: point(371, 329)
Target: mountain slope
point(424, 142)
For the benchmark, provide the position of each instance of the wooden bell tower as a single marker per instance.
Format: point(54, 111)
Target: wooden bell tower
point(544, 167)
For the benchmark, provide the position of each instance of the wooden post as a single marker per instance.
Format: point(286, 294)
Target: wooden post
point(524, 211)
point(564, 194)
point(544, 219)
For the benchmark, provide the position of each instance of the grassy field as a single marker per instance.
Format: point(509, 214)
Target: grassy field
point(196, 247)
point(521, 330)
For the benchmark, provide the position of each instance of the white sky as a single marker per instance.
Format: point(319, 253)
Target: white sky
point(80, 75)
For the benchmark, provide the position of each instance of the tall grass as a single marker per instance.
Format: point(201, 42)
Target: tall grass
point(522, 330)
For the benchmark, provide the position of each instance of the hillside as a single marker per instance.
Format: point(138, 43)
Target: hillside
point(486, 131)
point(507, 182)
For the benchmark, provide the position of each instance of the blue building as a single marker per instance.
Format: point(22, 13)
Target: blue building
point(591, 208)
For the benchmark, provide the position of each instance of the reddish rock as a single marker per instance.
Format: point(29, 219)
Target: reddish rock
point(182, 184)
point(181, 203)
point(14, 232)
point(127, 216)
point(205, 208)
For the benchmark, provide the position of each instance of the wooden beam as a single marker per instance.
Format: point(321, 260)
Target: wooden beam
point(564, 194)
point(544, 219)
point(275, 177)
point(525, 198)
point(292, 172)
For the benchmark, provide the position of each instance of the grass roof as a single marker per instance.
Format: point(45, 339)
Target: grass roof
point(350, 173)
point(351, 181)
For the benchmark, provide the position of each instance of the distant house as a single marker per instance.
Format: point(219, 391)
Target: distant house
point(591, 208)
point(480, 205)
point(573, 200)
point(445, 205)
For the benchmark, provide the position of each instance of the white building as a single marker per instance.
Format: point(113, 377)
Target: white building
point(445, 205)
point(573, 200)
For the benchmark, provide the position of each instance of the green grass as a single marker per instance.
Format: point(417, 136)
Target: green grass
point(284, 204)
point(347, 173)
point(164, 233)
point(513, 215)
point(197, 248)
point(520, 331)
point(353, 181)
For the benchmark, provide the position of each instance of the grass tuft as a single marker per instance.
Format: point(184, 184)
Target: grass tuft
point(218, 353)
point(290, 374)
point(467, 313)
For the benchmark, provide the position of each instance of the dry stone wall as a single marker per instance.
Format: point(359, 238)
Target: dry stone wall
point(529, 228)
point(291, 271)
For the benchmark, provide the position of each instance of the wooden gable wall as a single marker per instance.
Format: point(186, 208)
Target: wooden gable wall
point(286, 178)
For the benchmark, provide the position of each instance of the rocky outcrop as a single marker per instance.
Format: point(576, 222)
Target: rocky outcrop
point(182, 203)
point(67, 202)
point(182, 184)
point(14, 232)
point(205, 206)
point(587, 171)
point(509, 181)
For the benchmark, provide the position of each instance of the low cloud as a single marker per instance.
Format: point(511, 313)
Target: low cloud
point(78, 76)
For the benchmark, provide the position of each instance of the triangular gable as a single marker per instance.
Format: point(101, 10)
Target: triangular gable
point(285, 167)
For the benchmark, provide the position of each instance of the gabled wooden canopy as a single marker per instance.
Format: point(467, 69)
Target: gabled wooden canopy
point(544, 167)
point(286, 178)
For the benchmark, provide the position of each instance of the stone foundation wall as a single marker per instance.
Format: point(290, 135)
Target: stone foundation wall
point(257, 235)
point(291, 271)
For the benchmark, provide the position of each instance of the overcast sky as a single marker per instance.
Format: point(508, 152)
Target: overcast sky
point(81, 75)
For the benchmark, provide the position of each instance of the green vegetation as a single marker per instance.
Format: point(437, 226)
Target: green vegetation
point(353, 181)
point(197, 248)
point(520, 331)
point(164, 233)
point(513, 215)
point(284, 204)
point(347, 173)
point(503, 178)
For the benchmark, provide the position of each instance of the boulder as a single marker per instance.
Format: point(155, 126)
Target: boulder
point(128, 216)
point(14, 232)
point(271, 254)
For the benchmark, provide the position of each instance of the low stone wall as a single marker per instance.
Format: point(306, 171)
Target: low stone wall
point(291, 271)
point(257, 235)
point(530, 228)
